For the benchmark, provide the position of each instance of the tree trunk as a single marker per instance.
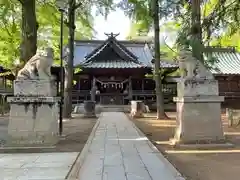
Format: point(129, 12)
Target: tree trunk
point(67, 107)
point(196, 30)
point(29, 30)
point(157, 74)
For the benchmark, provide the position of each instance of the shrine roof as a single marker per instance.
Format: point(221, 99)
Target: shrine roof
point(228, 60)
point(113, 64)
point(138, 52)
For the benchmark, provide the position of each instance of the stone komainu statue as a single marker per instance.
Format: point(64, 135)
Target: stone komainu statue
point(192, 68)
point(38, 67)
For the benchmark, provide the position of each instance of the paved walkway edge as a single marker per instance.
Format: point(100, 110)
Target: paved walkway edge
point(74, 171)
point(176, 173)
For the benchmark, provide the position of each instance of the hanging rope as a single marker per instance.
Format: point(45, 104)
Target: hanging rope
point(112, 84)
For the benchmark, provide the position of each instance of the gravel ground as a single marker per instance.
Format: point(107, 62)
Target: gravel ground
point(220, 164)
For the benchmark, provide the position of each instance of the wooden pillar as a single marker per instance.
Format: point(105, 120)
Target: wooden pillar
point(2, 81)
point(93, 90)
point(142, 85)
point(5, 83)
point(79, 83)
point(2, 105)
point(130, 88)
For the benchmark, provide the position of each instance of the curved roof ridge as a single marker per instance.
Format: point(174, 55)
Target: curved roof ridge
point(113, 43)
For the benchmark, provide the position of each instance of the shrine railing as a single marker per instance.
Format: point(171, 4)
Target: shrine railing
point(169, 91)
point(232, 94)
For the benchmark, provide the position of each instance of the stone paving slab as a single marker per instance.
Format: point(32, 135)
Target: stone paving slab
point(36, 166)
point(118, 151)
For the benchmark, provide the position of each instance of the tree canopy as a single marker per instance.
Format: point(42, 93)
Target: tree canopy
point(48, 19)
point(220, 19)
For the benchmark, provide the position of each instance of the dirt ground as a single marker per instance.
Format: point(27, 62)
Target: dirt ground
point(76, 132)
point(217, 164)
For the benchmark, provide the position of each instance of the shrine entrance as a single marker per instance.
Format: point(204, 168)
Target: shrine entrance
point(114, 72)
point(112, 90)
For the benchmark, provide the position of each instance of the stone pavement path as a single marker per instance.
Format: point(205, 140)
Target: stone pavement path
point(36, 166)
point(119, 152)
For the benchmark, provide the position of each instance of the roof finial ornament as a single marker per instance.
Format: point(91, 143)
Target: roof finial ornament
point(111, 35)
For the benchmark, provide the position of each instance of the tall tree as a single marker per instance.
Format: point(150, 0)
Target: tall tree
point(146, 15)
point(215, 17)
point(103, 7)
point(157, 69)
point(29, 29)
point(67, 109)
point(48, 31)
point(196, 30)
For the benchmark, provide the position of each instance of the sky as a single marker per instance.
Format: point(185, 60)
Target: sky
point(116, 23)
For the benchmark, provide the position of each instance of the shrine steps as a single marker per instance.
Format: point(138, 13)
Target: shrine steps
point(79, 108)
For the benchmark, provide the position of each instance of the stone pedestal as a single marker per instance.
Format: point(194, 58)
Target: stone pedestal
point(35, 88)
point(137, 108)
point(89, 109)
point(33, 117)
point(198, 113)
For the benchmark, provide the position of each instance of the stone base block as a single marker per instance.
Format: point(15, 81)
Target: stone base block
point(89, 115)
point(34, 88)
point(30, 139)
point(33, 121)
point(199, 120)
point(195, 87)
point(137, 109)
point(200, 145)
point(89, 109)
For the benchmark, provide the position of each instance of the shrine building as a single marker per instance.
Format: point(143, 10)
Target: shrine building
point(119, 71)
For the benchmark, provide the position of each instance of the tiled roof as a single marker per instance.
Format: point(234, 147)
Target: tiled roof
point(139, 49)
point(84, 48)
point(112, 44)
point(113, 64)
point(228, 60)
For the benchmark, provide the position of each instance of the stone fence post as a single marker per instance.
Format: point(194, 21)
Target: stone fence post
point(233, 117)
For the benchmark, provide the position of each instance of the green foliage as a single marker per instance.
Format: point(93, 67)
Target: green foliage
point(227, 40)
point(10, 32)
point(220, 19)
point(136, 31)
point(77, 70)
point(48, 18)
point(49, 21)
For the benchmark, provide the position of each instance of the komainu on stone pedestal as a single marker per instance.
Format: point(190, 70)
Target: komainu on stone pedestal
point(198, 104)
point(34, 109)
point(38, 67)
